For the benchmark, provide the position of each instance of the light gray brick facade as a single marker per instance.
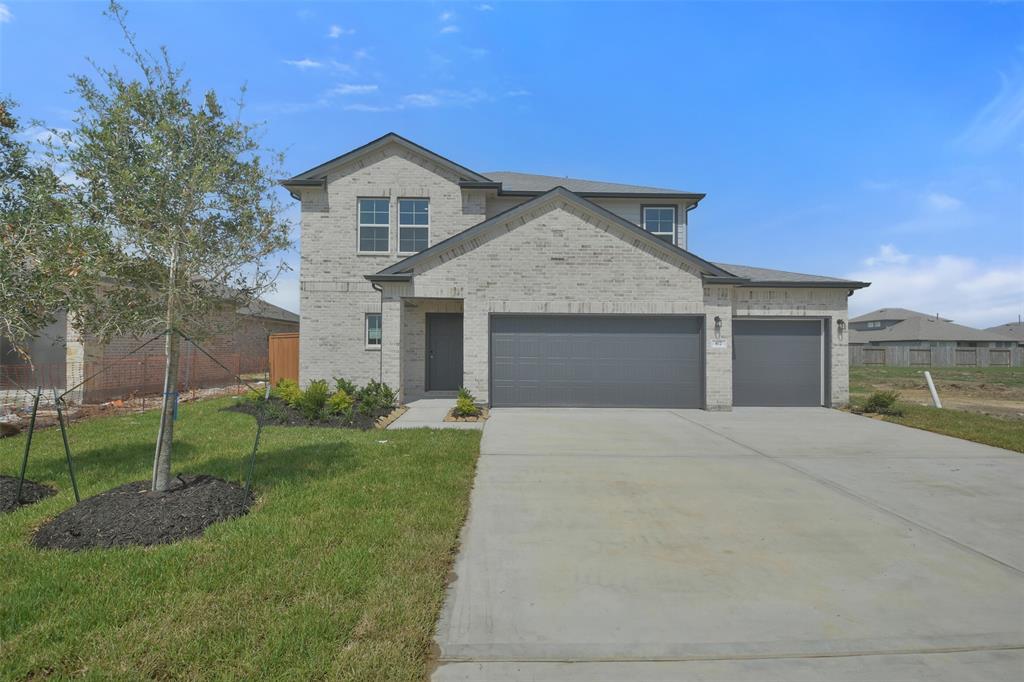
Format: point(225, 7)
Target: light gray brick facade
point(557, 257)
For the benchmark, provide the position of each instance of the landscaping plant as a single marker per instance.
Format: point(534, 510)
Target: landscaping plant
point(318, 405)
point(311, 401)
point(465, 404)
point(883, 402)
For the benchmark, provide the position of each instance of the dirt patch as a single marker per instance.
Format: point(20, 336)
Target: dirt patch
point(968, 402)
point(484, 414)
point(133, 515)
point(30, 492)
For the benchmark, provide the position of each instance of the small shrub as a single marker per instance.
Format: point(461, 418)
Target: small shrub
point(883, 402)
point(311, 402)
point(340, 403)
point(465, 404)
point(287, 391)
point(375, 398)
point(343, 384)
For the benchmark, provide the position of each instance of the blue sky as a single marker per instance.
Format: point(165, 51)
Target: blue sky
point(878, 141)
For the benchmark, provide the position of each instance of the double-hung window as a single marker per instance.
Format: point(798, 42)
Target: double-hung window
point(413, 225)
point(661, 222)
point(373, 332)
point(374, 225)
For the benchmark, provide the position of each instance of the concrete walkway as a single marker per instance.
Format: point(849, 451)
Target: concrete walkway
point(429, 413)
point(762, 544)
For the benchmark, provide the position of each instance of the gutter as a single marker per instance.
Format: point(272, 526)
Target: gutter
point(299, 184)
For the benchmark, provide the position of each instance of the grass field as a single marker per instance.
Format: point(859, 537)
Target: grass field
point(338, 572)
point(982, 404)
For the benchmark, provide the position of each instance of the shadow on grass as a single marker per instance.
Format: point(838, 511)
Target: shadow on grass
point(277, 465)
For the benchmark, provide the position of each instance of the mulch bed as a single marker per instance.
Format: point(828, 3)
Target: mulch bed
point(131, 514)
point(282, 414)
point(30, 492)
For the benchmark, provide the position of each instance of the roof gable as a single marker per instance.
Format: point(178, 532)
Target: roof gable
point(403, 269)
point(894, 314)
point(317, 175)
point(530, 183)
point(925, 329)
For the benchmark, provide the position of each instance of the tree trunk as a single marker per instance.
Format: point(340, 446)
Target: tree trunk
point(162, 458)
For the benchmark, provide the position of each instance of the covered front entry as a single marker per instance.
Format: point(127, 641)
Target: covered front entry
point(778, 363)
point(444, 351)
point(596, 361)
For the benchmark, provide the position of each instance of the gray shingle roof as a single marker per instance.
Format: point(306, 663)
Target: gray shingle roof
point(924, 329)
point(260, 308)
point(893, 314)
point(765, 275)
point(529, 182)
point(1011, 330)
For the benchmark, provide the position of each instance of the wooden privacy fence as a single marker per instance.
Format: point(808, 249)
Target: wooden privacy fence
point(284, 357)
point(942, 356)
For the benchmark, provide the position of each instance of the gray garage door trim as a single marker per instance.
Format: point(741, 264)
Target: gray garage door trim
point(602, 360)
point(770, 361)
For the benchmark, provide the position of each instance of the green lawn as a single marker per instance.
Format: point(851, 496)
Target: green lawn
point(338, 572)
point(1002, 432)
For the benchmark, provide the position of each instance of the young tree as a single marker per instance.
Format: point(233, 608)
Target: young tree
point(189, 200)
point(48, 263)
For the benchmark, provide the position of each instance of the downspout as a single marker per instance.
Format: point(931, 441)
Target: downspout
point(380, 376)
point(687, 216)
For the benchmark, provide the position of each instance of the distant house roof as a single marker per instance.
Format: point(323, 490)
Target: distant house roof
point(269, 311)
point(766, 277)
point(1011, 330)
point(893, 314)
point(922, 329)
point(529, 183)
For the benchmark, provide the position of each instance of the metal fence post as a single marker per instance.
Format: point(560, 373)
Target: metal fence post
point(67, 448)
point(28, 443)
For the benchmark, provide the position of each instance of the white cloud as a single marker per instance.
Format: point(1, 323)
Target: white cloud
point(965, 290)
point(350, 89)
point(421, 100)
point(446, 16)
point(450, 28)
point(303, 64)
point(336, 31)
point(478, 52)
point(1001, 120)
point(887, 255)
point(518, 93)
point(485, 8)
point(369, 108)
point(938, 201)
point(5, 14)
point(361, 53)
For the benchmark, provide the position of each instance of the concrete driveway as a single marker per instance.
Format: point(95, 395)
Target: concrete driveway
point(761, 544)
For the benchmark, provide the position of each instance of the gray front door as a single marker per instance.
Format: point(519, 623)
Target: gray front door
point(777, 363)
point(596, 361)
point(444, 351)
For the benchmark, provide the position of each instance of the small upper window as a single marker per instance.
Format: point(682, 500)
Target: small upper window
point(374, 224)
point(373, 332)
point(413, 225)
point(661, 222)
point(874, 325)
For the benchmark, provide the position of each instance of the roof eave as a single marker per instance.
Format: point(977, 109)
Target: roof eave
point(389, 277)
point(839, 284)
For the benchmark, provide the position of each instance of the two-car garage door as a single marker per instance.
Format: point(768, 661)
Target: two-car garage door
point(648, 361)
point(596, 361)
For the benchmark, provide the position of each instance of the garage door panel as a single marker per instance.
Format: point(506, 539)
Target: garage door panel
point(777, 363)
point(585, 360)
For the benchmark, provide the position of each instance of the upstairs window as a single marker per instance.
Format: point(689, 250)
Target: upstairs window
point(661, 222)
point(413, 225)
point(373, 332)
point(374, 225)
point(874, 325)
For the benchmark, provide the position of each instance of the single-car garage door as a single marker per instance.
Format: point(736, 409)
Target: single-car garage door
point(777, 363)
point(596, 361)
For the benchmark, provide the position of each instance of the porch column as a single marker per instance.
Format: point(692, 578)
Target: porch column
point(718, 348)
point(476, 348)
point(391, 344)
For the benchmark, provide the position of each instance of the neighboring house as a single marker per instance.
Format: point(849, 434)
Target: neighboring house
point(546, 291)
point(61, 357)
point(1013, 331)
point(901, 337)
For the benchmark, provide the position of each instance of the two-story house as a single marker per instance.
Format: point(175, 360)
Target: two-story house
point(532, 290)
